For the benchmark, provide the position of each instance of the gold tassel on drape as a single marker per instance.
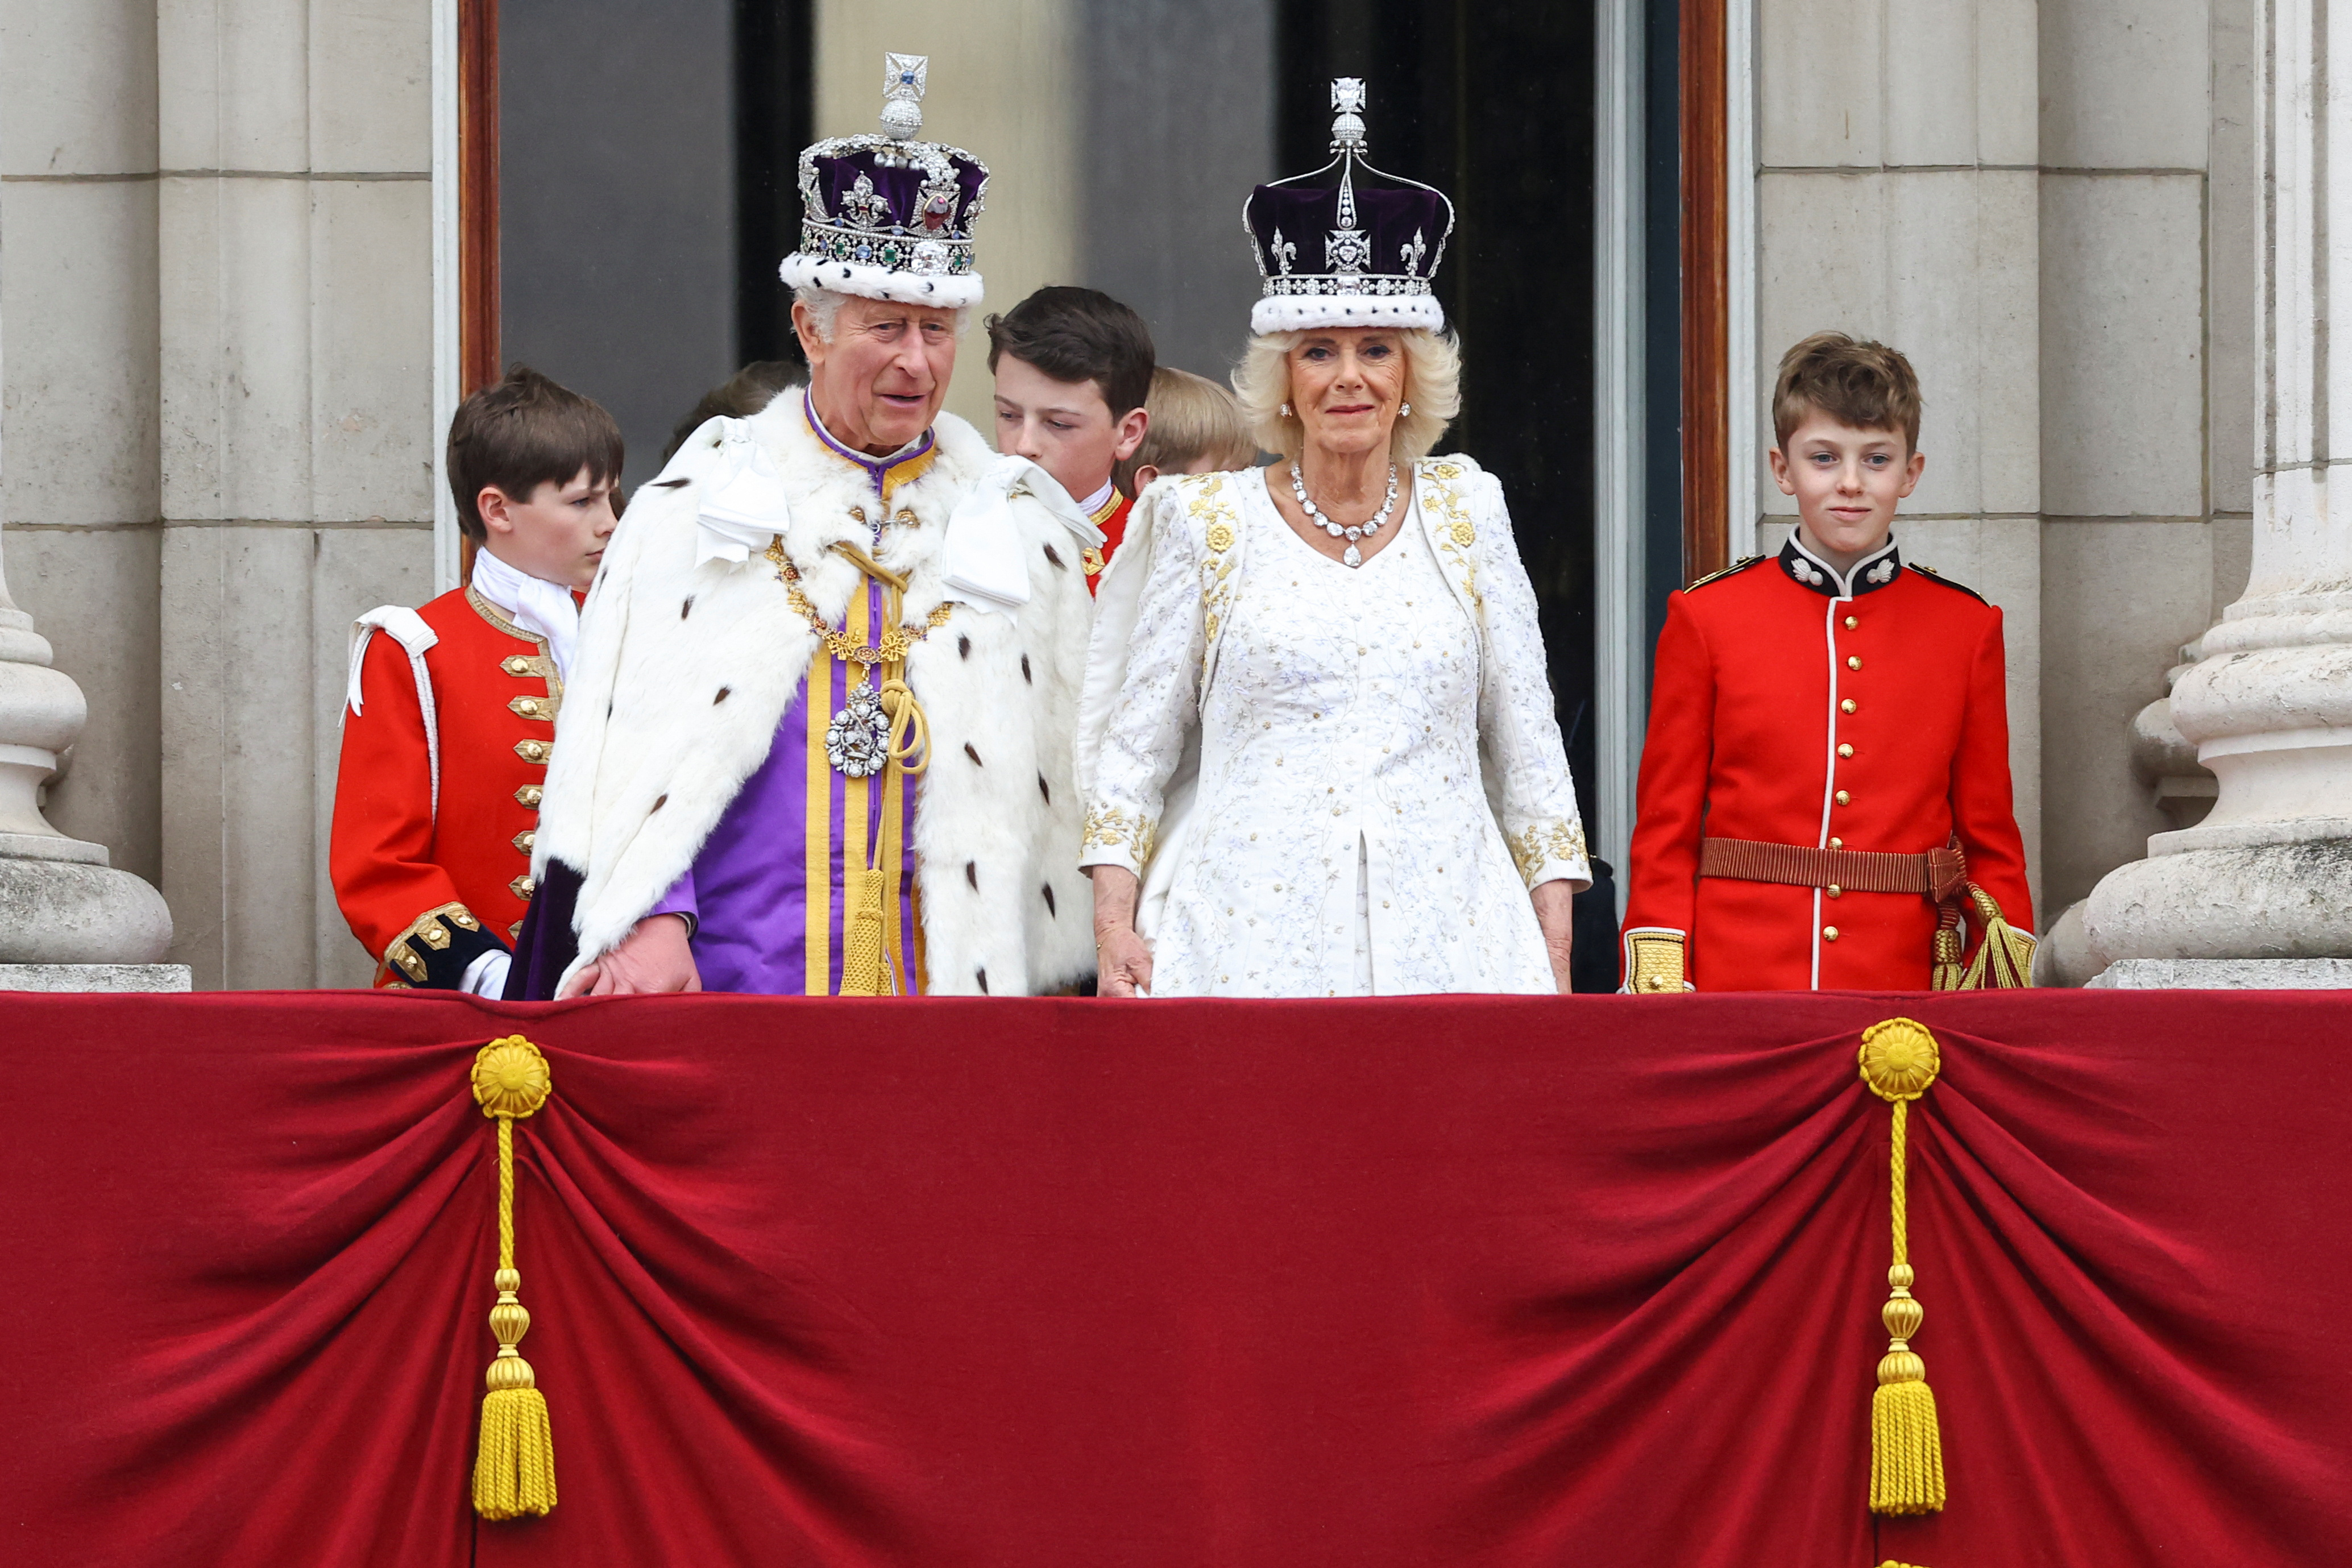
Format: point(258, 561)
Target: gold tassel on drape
point(1899, 1062)
point(515, 1472)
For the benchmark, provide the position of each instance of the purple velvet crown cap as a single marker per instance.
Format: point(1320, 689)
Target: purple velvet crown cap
point(1348, 245)
point(887, 215)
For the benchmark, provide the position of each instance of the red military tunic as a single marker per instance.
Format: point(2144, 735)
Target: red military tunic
point(1111, 518)
point(428, 891)
point(1794, 707)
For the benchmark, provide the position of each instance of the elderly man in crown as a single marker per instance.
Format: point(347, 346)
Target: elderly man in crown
point(817, 740)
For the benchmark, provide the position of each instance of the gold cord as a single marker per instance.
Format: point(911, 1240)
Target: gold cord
point(514, 1471)
point(1900, 1061)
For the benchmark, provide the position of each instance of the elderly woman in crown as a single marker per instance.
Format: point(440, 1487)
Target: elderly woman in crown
point(1316, 744)
point(817, 738)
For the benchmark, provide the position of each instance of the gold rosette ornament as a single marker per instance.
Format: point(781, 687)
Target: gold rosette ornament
point(1899, 1062)
point(514, 1473)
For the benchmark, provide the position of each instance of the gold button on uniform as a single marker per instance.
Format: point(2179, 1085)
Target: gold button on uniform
point(1844, 798)
point(522, 887)
point(525, 839)
point(533, 707)
point(1837, 842)
point(529, 794)
point(515, 664)
point(1829, 934)
point(1854, 661)
point(1851, 622)
point(533, 751)
point(1834, 891)
point(1845, 749)
point(1847, 705)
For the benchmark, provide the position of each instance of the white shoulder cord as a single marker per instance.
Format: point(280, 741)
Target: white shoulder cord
point(407, 628)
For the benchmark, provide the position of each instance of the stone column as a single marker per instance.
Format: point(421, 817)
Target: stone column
point(68, 921)
point(2256, 894)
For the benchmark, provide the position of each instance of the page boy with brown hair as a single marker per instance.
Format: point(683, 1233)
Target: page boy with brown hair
point(1824, 800)
point(452, 710)
point(1073, 369)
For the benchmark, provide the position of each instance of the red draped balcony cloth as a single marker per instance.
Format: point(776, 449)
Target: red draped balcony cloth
point(1170, 1285)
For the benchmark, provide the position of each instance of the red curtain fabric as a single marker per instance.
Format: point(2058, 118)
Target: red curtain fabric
point(943, 1282)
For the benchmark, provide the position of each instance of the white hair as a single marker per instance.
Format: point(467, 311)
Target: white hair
point(1433, 385)
point(825, 310)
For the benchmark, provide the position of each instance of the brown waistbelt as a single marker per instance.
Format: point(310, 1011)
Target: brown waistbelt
point(1939, 874)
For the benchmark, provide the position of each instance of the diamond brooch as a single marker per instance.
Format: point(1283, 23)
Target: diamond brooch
point(857, 741)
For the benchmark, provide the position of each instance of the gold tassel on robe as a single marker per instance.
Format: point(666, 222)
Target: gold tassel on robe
point(870, 956)
point(1899, 1062)
point(514, 1473)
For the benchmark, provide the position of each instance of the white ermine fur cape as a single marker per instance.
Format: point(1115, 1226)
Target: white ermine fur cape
point(685, 671)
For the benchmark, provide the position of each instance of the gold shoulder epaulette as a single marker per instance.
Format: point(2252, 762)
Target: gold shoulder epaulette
point(1742, 564)
point(1933, 575)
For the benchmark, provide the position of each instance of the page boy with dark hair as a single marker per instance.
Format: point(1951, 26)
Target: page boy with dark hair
point(1824, 800)
point(452, 710)
point(1073, 369)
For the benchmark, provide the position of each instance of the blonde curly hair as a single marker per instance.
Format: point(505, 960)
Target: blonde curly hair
point(1432, 385)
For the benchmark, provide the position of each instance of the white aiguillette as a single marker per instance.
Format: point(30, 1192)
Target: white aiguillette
point(743, 504)
point(981, 557)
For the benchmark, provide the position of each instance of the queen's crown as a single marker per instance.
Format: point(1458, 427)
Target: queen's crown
point(1348, 245)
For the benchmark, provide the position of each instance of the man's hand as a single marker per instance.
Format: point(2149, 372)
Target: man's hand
point(1555, 904)
point(1122, 959)
point(652, 959)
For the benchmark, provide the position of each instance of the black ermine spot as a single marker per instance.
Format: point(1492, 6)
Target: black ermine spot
point(683, 610)
point(1044, 789)
point(1025, 669)
point(1054, 559)
point(963, 646)
point(1048, 892)
point(972, 754)
point(659, 800)
point(971, 874)
point(721, 696)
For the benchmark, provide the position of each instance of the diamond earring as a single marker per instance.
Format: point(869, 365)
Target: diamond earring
point(1405, 410)
point(1285, 411)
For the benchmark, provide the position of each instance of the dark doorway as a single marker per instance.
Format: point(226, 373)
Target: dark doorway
point(1492, 104)
point(646, 156)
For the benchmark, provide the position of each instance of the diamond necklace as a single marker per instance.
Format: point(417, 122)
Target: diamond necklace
point(1364, 530)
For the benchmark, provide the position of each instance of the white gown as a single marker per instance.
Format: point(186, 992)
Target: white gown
point(1341, 842)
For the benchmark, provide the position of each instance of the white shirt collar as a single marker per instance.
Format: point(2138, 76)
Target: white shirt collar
point(542, 608)
point(1094, 503)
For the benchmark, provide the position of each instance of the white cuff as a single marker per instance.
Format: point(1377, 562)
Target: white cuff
point(487, 976)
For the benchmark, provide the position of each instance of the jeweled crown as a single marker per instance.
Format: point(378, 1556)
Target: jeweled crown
point(1347, 246)
point(887, 215)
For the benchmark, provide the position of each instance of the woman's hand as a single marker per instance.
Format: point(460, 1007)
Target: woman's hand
point(1555, 904)
point(656, 957)
point(1122, 958)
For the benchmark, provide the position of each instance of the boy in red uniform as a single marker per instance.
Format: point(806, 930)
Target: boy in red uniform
point(1073, 369)
point(452, 710)
point(1826, 782)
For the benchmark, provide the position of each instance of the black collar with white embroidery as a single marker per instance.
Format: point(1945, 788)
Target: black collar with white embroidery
point(1870, 573)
